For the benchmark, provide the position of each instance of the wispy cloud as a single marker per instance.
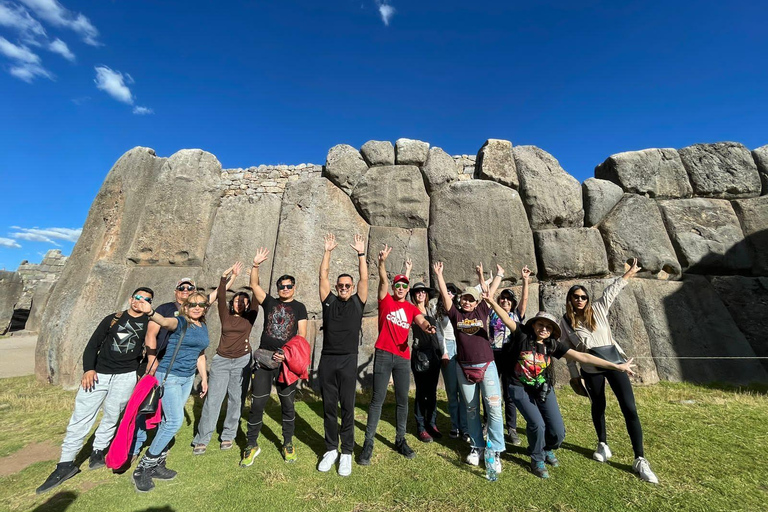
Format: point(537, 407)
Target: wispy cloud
point(26, 65)
point(57, 15)
point(47, 235)
point(18, 18)
point(142, 111)
point(114, 84)
point(7, 242)
point(386, 11)
point(60, 47)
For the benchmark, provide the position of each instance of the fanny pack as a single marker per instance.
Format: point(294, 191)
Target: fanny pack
point(474, 374)
point(263, 358)
point(608, 352)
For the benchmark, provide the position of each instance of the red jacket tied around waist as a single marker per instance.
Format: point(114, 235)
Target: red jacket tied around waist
point(297, 354)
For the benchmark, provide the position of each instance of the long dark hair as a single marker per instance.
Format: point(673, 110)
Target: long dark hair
point(232, 303)
point(573, 319)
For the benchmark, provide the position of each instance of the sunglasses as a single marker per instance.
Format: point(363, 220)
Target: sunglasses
point(579, 297)
point(191, 305)
point(285, 287)
point(545, 326)
point(183, 288)
point(344, 285)
point(148, 300)
point(401, 286)
point(465, 299)
point(505, 298)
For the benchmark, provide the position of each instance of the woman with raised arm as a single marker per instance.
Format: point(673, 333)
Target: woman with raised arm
point(527, 362)
point(185, 355)
point(585, 328)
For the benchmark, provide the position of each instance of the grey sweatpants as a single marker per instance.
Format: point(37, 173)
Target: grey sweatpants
point(111, 393)
point(225, 378)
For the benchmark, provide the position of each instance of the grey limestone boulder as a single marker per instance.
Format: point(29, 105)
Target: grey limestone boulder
point(495, 162)
point(378, 152)
point(479, 221)
point(706, 235)
point(570, 252)
point(40, 296)
point(11, 288)
point(551, 196)
point(761, 159)
point(723, 170)
point(344, 166)
point(411, 152)
point(657, 173)
point(692, 334)
point(439, 169)
point(753, 215)
point(599, 196)
point(635, 229)
point(393, 195)
point(311, 208)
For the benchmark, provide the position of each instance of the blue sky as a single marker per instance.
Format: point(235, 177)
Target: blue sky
point(254, 82)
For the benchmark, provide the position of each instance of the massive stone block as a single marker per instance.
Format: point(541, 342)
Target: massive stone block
point(753, 215)
point(686, 319)
point(746, 299)
point(599, 196)
point(311, 208)
point(551, 196)
point(570, 252)
point(344, 166)
point(405, 243)
point(479, 221)
point(411, 152)
point(495, 162)
point(761, 159)
point(393, 195)
point(11, 288)
point(724, 170)
point(378, 152)
point(439, 169)
point(40, 296)
point(180, 206)
point(706, 235)
point(635, 229)
point(657, 173)
point(624, 318)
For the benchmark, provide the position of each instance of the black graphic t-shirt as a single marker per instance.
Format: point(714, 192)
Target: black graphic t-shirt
point(116, 349)
point(281, 321)
point(527, 363)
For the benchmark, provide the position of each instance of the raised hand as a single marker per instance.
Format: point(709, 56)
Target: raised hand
point(261, 256)
point(499, 269)
point(384, 253)
point(358, 243)
point(330, 242)
point(408, 265)
point(525, 273)
point(634, 268)
point(486, 295)
point(144, 306)
point(480, 271)
point(237, 268)
point(438, 268)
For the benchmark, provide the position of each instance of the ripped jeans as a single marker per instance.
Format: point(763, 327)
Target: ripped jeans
point(490, 388)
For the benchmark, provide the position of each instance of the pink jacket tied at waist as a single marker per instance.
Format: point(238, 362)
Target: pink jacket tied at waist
point(297, 353)
point(121, 445)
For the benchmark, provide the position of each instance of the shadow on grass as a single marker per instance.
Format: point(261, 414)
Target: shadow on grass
point(587, 453)
point(58, 502)
point(302, 429)
point(753, 388)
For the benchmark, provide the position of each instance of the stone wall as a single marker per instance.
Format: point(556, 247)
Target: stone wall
point(39, 275)
point(695, 218)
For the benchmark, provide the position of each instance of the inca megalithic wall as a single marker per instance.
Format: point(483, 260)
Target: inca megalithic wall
point(695, 218)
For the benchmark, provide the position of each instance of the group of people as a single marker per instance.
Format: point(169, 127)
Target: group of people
point(484, 347)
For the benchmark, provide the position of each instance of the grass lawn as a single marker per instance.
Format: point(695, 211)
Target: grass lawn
point(709, 448)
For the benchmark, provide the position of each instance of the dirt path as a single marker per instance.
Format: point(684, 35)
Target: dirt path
point(35, 452)
point(17, 355)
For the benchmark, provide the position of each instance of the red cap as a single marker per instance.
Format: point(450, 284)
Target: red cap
point(400, 277)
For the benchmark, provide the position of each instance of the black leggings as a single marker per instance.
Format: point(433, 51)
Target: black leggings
point(262, 386)
point(622, 388)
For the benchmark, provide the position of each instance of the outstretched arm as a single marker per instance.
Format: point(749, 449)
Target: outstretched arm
point(258, 292)
point(422, 322)
point(503, 315)
point(383, 281)
point(167, 323)
point(583, 357)
point(496, 279)
point(325, 266)
point(358, 244)
point(523, 305)
point(443, 289)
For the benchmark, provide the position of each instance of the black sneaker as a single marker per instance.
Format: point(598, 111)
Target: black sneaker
point(403, 449)
point(365, 455)
point(161, 472)
point(63, 472)
point(142, 475)
point(97, 460)
point(513, 438)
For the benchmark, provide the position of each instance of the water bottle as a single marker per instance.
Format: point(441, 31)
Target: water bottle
point(490, 460)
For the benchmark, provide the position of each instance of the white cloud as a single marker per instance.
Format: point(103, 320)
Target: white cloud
point(113, 83)
point(28, 72)
point(385, 10)
point(57, 15)
point(7, 242)
point(18, 53)
point(17, 17)
point(47, 235)
point(27, 63)
point(60, 47)
point(142, 111)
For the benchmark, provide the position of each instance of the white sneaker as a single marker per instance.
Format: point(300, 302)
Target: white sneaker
point(475, 454)
point(345, 464)
point(328, 460)
point(602, 452)
point(643, 470)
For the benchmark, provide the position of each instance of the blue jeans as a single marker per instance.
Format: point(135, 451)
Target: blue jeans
point(175, 395)
point(456, 406)
point(491, 391)
point(543, 421)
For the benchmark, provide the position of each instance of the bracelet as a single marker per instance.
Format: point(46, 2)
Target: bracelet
point(500, 274)
point(360, 254)
point(151, 314)
point(255, 266)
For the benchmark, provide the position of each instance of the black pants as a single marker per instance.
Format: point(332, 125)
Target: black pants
point(510, 410)
point(622, 388)
point(543, 421)
point(386, 364)
point(338, 380)
point(425, 404)
point(262, 386)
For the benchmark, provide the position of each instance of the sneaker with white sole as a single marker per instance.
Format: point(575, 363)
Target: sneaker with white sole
point(475, 454)
point(602, 452)
point(644, 471)
point(328, 460)
point(345, 464)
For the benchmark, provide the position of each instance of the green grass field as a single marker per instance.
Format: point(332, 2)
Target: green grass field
point(709, 448)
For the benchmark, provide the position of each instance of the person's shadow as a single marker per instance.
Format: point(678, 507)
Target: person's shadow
point(59, 502)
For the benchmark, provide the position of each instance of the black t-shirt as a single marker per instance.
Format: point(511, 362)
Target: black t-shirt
point(342, 322)
point(425, 342)
point(281, 321)
point(116, 349)
point(527, 363)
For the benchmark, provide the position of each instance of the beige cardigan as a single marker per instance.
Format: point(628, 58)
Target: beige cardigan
point(582, 339)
